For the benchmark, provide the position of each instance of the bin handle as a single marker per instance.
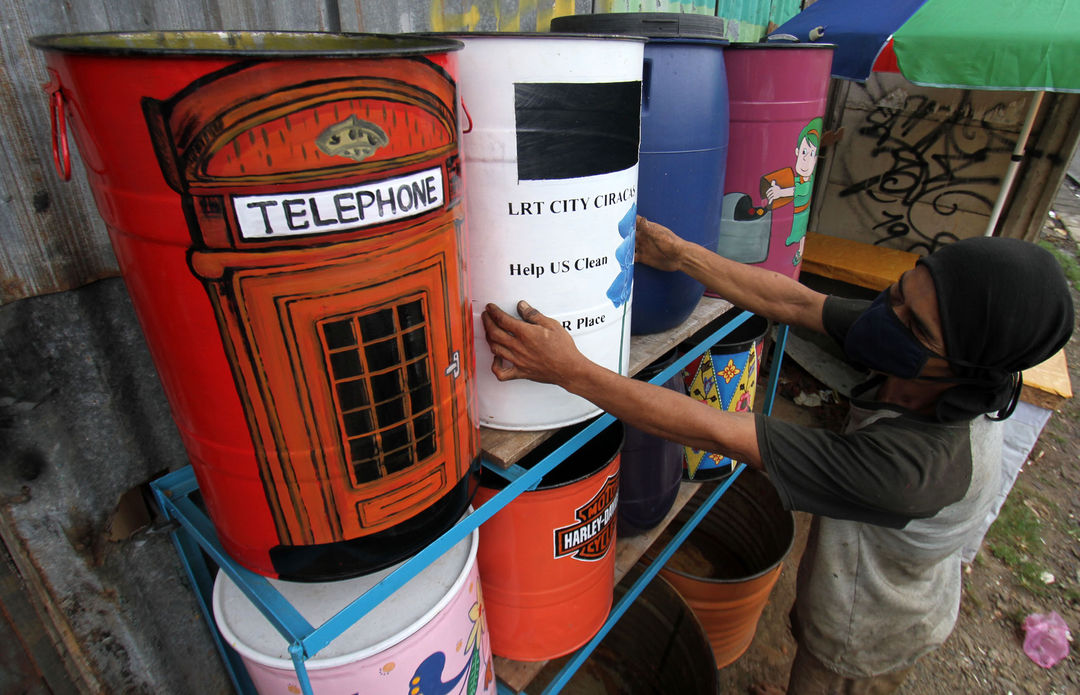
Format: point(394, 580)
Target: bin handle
point(646, 85)
point(60, 150)
point(467, 117)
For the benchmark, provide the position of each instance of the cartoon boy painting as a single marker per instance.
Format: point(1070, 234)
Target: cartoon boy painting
point(798, 184)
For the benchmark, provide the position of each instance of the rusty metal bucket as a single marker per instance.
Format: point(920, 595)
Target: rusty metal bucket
point(657, 647)
point(728, 566)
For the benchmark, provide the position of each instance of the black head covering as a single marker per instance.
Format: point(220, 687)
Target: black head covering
point(1005, 306)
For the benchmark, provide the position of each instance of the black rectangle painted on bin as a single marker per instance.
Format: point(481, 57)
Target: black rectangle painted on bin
point(571, 130)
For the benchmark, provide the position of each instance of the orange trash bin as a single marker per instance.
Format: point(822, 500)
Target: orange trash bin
point(547, 559)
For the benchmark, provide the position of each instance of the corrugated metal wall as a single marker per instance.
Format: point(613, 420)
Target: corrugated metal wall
point(83, 419)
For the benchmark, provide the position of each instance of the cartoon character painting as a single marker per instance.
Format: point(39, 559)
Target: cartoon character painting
point(801, 184)
point(748, 225)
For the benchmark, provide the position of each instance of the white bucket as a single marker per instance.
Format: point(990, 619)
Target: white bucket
point(551, 168)
point(432, 628)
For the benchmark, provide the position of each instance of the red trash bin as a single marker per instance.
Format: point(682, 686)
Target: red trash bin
point(286, 212)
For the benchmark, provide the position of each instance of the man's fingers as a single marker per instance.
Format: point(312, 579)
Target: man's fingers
point(503, 370)
point(527, 312)
point(495, 326)
point(499, 317)
point(531, 315)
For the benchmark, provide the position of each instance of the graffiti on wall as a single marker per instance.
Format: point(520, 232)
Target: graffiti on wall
point(490, 15)
point(924, 179)
point(745, 20)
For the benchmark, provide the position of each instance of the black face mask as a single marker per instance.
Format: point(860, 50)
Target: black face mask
point(879, 341)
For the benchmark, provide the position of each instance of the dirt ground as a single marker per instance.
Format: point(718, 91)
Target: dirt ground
point(1030, 562)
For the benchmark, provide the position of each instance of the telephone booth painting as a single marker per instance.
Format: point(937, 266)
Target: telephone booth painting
point(326, 225)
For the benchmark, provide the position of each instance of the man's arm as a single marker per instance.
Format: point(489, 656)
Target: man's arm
point(763, 292)
point(540, 349)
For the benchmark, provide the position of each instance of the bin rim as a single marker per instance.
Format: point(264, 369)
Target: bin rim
point(788, 45)
point(315, 662)
point(244, 43)
point(532, 35)
point(740, 338)
point(497, 482)
point(675, 26)
point(692, 40)
point(787, 515)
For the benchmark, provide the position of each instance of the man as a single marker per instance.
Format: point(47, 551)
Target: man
point(913, 473)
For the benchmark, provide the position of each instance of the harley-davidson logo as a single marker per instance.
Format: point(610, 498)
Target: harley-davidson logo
point(353, 138)
point(592, 535)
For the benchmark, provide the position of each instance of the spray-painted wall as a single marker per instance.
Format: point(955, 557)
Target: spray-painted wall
point(918, 167)
point(99, 592)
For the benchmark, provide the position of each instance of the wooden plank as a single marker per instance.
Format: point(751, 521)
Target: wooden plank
point(28, 654)
point(78, 669)
point(51, 237)
point(855, 262)
point(1048, 385)
point(1039, 178)
point(505, 448)
point(518, 674)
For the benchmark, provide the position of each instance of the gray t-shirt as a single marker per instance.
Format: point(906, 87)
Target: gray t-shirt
point(896, 496)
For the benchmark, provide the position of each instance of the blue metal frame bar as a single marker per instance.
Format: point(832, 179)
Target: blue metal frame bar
point(201, 580)
point(511, 472)
point(281, 614)
point(173, 494)
point(780, 344)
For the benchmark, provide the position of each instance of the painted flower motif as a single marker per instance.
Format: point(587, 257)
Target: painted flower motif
point(623, 284)
point(475, 613)
point(730, 372)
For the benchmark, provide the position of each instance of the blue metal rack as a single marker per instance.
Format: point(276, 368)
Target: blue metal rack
point(195, 540)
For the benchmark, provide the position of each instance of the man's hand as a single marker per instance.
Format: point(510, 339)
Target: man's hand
point(657, 246)
point(536, 348)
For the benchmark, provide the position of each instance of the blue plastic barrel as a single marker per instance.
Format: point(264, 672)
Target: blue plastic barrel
point(684, 145)
point(651, 468)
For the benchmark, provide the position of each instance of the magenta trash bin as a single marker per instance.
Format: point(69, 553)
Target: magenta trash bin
point(777, 94)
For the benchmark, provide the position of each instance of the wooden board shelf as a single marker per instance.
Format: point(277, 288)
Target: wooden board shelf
point(855, 262)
